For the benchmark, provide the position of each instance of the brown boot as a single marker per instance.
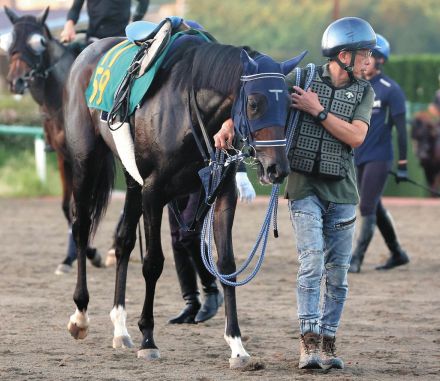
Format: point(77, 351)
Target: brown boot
point(328, 354)
point(309, 351)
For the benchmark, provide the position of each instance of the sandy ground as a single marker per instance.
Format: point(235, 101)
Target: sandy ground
point(390, 328)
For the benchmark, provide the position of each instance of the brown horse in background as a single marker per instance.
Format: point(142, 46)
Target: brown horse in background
point(40, 63)
point(425, 133)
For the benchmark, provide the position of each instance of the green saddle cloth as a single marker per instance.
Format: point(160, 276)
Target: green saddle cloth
point(111, 70)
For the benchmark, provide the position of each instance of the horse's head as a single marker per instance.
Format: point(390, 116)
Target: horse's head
point(260, 112)
point(26, 45)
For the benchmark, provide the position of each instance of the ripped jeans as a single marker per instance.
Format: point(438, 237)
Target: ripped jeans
point(324, 234)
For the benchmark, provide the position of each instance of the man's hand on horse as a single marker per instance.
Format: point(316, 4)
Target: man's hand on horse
point(68, 34)
point(223, 138)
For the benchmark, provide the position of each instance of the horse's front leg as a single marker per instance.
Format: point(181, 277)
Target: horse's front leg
point(223, 220)
point(125, 240)
point(152, 268)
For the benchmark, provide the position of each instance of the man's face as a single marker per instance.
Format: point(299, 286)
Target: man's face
point(362, 62)
point(371, 69)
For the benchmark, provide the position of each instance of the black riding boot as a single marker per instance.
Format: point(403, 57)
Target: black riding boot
point(368, 223)
point(212, 297)
point(386, 226)
point(212, 300)
point(188, 284)
point(189, 312)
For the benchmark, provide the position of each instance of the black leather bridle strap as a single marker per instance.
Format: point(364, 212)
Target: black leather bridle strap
point(193, 101)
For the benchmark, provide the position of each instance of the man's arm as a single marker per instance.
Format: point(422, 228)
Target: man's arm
point(402, 170)
point(402, 141)
point(68, 34)
point(352, 134)
point(141, 9)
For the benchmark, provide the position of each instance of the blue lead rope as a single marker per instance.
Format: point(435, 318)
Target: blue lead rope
point(272, 210)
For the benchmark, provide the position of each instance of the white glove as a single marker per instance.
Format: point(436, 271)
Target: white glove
point(246, 191)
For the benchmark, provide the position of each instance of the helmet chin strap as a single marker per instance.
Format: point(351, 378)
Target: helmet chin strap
point(347, 68)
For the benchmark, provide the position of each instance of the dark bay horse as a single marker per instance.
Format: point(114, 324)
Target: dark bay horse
point(168, 161)
point(40, 63)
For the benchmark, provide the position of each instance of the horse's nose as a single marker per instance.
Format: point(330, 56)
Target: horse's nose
point(17, 86)
point(277, 173)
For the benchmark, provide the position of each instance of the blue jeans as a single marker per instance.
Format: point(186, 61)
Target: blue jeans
point(324, 234)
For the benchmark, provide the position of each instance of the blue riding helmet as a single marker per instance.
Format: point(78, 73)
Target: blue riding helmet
point(383, 47)
point(348, 33)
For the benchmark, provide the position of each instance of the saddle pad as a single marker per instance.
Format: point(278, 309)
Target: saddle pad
point(111, 70)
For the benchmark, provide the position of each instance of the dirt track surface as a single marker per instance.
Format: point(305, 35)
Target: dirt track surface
point(390, 328)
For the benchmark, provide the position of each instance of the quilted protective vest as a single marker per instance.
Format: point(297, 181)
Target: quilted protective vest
point(314, 151)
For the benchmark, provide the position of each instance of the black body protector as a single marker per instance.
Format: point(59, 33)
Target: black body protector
point(314, 151)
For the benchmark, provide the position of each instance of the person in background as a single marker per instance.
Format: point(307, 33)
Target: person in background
point(374, 159)
point(188, 260)
point(107, 18)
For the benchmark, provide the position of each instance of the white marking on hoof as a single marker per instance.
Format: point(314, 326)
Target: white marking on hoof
point(110, 259)
point(78, 325)
point(63, 269)
point(148, 354)
point(238, 362)
point(239, 356)
point(121, 338)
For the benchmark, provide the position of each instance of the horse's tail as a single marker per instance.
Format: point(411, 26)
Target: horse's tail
point(102, 189)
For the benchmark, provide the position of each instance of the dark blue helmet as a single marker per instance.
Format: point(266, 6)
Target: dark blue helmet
point(348, 33)
point(383, 47)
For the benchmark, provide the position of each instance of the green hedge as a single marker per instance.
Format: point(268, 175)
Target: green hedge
point(417, 75)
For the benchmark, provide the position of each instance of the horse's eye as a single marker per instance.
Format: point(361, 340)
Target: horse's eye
point(37, 43)
point(253, 105)
point(256, 106)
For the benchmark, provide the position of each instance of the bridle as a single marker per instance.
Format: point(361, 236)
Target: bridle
point(38, 67)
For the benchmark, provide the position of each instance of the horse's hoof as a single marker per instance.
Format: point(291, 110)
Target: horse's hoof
point(110, 259)
point(238, 362)
point(77, 332)
point(63, 269)
point(148, 354)
point(122, 342)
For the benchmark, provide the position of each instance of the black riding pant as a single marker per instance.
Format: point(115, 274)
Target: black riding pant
point(186, 247)
point(371, 179)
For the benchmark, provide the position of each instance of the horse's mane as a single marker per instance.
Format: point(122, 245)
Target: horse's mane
point(204, 65)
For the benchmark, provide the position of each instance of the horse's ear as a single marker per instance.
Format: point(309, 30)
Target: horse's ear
point(11, 15)
point(41, 18)
point(249, 65)
point(289, 65)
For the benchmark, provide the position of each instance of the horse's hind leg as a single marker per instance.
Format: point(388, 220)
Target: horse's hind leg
point(151, 268)
point(93, 172)
point(66, 175)
point(223, 219)
point(124, 243)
